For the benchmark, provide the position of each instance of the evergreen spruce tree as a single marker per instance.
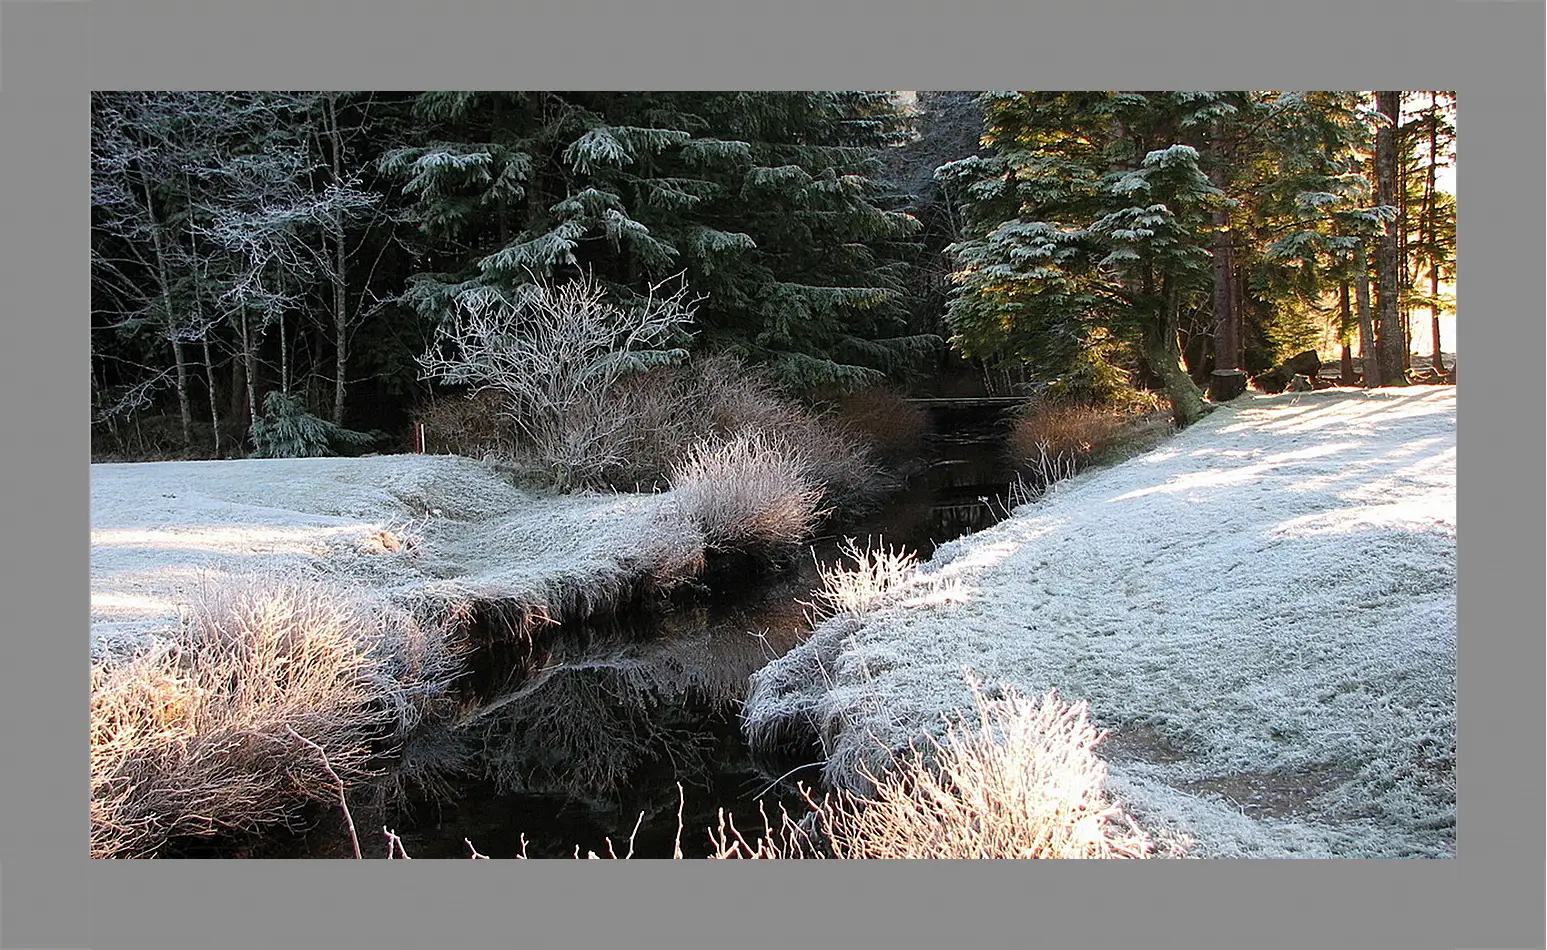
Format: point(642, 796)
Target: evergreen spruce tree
point(1088, 230)
point(764, 201)
point(1107, 226)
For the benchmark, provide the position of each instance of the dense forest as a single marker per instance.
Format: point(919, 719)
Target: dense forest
point(266, 264)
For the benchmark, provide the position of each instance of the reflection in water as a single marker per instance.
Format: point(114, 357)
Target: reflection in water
point(601, 723)
point(609, 722)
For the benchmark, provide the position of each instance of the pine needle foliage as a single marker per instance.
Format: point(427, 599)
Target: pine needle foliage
point(768, 202)
point(287, 430)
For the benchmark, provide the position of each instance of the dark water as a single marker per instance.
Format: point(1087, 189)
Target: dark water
point(606, 722)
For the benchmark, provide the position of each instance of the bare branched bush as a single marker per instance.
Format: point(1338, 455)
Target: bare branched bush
point(475, 425)
point(557, 353)
point(852, 591)
point(216, 728)
point(751, 493)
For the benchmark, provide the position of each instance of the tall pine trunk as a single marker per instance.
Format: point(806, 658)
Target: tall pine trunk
point(1228, 380)
point(1368, 351)
point(1431, 199)
point(1392, 341)
point(1163, 356)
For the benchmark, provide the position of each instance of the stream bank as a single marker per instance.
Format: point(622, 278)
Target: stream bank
point(571, 731)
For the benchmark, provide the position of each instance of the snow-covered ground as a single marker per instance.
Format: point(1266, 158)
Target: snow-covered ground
point(1262, 611)
point(381, 526)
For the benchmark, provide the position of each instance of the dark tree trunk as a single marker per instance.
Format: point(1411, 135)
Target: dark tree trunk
point(1391, 341)
point(239, 407)
point(1345, 334)
point(1227, 339)
point(1368, 352)
point(1163, 356)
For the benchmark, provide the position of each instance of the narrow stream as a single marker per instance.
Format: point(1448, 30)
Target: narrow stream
point(609, 719)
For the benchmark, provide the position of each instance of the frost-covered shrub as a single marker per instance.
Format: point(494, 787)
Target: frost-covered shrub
point(751, 493)
point(556, 353)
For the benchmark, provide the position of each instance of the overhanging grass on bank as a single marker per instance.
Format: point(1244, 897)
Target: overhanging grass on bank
point(374, 546)
point(271, 695)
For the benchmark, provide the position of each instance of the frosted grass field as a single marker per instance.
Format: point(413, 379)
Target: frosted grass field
point(1262, 611)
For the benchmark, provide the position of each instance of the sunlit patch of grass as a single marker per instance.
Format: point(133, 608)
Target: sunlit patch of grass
point(853, 589)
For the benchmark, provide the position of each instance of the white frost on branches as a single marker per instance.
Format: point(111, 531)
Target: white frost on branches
point(556, 352)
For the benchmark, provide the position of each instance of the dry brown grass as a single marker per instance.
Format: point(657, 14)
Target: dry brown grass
point(886, 423)
point(1062, 434)
point(1066, 429)
point(751, 493)
point(672, 409)
point(218, 728)
point(474, 425)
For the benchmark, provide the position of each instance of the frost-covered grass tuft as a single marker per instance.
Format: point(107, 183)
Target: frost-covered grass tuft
point(853, 590)
point(1024, 781)
point(1020, 778)
point(269, 695)
point(751, 493)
